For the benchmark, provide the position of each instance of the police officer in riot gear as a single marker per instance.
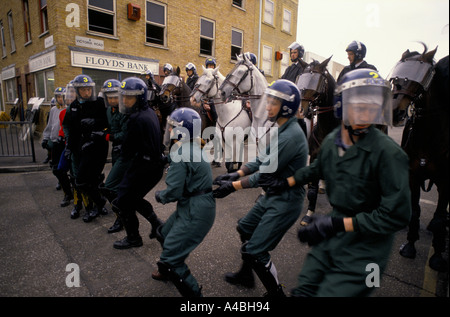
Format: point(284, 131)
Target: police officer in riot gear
point(189, 183)
point(263, 227)
point(191, 71)
point(142, 146)
point(356, 51)
point(296, 52)
point(84, 117)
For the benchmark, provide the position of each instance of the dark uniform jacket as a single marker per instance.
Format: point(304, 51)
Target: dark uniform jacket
point(190, 81)
point(350, 67)
point(292, 72)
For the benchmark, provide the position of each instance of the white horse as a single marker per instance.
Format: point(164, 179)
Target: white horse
point(233, 119)
point(246, 82)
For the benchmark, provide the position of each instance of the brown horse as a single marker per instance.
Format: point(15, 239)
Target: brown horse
point(421, 102)
point(316, 87)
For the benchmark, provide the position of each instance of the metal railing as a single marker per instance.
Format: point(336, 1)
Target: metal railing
point(16, 139)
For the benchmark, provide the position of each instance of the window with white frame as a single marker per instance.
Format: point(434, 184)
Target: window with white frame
point(284, 62)
point(102, 16)
point(269, 9)
point(11, 92)
point(237, 41)
point(287, 17)
point(2, 34)
point(207, 31)
point(238, 3)
point(11, 31)
point(45, 84)
point(267, 59)
point(43, 15)
point(156, 27)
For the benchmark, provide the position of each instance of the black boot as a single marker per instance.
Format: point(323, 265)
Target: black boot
point(66, 201)
point(116, 227)
point(244, 277)
point(128, 242)
point(146, 210)
point(75, 213)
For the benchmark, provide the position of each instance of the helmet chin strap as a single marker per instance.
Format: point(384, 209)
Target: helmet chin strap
point(356, 132)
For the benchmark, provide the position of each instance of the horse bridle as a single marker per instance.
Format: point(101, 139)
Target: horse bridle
point(244, 94)
point(172, 97)
point(206, 92)
point(313, 102)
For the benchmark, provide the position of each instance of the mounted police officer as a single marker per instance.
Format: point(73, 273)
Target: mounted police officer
point(356, 51)
point(358, 162)
point(209, 106)
point(189, 183)
point(296, 52)
point(153, 88)
point(271, 217)
point(191, 72)
point(85, 116)
point(167, 69)
point(142, 146)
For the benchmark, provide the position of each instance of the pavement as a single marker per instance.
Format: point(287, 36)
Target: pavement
point(44, 253)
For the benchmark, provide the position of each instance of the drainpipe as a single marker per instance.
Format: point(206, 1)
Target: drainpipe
point(259, 34)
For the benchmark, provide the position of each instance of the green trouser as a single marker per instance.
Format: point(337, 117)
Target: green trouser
point(116, 174)
point(343, 265)
point(266, 223)
point(184, 231)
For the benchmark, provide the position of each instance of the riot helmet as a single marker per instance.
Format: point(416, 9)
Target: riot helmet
point(84, 88)
point(186, 124)
point(190, 66)
point(358, 48)
point(60, 93)
point(300, 49)
point(363, 98)
point(282, 93)
point(133, 95)
point(167, 68)
point(110, 90)
point(210, 61)
point(70, 94)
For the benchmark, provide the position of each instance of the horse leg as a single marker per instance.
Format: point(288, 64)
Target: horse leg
point(408, 250)
point(437, 226)
point(313, 190)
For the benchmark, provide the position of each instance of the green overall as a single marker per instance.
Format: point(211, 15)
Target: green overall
point(189, 183)
point(369, 183)
point(272, 215)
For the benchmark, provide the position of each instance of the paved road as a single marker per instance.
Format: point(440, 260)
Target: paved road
point(38, 241)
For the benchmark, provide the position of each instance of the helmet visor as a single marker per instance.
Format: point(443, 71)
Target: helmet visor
point(128, 99)
point(365, 105)
point(111, 98)
point(85, 91)
point(70, 94)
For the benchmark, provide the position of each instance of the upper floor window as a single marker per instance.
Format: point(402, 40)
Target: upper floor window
point(207, 31)
point(238, 3)
point(269, 9)
point(11, 31)
point(267, 60)
point(26, 21)
point(2, 34)
point(156, 29)
point(287, 20)
point(236, 43)
point(44, 16)
point(102, 16)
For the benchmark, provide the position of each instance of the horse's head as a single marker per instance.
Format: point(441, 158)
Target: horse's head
point(313, 84)
point(170, 86)
point(207, 86)
point(410, 80)
point(239, 80)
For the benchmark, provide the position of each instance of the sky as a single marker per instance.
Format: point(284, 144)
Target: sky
point(386, 27)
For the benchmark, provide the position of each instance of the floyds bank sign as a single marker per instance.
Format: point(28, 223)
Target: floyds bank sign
point(87, 59)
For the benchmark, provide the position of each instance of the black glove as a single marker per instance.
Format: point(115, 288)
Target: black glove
point(98, 136)
point(272, 184)
point(87, 123)
point(321, 228)
point(157, 197)
point(226, 188)
point(226, 177)
point(67, 154)
point(44, 144)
